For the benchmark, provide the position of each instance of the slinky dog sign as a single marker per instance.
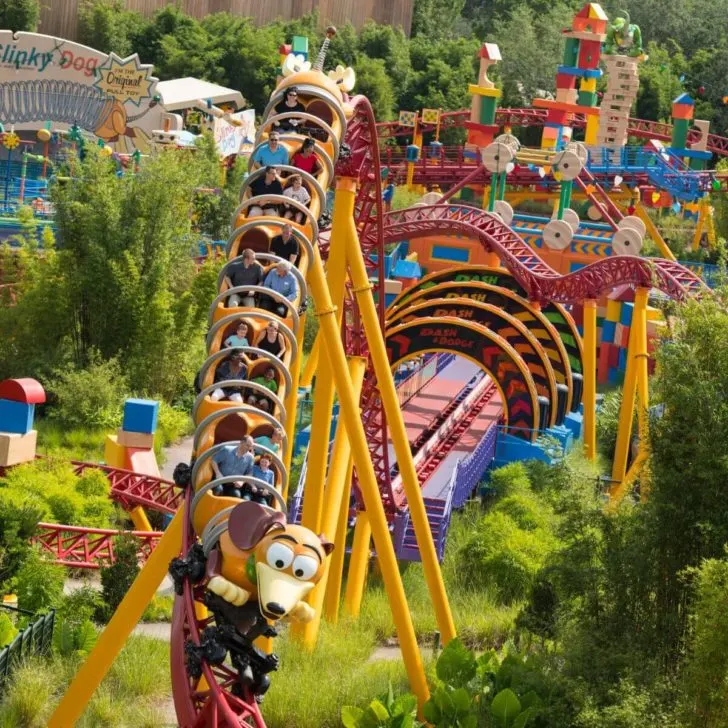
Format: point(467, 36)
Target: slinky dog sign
point(45, 79)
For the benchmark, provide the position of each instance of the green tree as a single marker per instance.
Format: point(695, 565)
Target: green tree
point(107, 26)
point(19, 15)
point(373, 81)
point(435, 19)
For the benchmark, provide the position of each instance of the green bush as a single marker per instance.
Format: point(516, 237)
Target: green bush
point(526, 510)
point(39, 583)
point(608, 424)
point(66, 505)
point(8, 630)
point(27, 698)
point(93, 482)
point(172, 424)
point(117, 578)
point(91, 397)
point(504, 557)
point(19, 514)
point(98, 512)
point(511, 479)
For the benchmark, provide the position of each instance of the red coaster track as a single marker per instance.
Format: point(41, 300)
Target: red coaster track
point(641, 128)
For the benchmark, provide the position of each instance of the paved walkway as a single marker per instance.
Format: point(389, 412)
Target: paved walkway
point(179, 452)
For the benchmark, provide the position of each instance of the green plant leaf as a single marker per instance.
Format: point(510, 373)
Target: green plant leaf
point(461, 700)
point(444, 702)
point(431, 713)
point(390, 698)
point(505, 707)
point(85, 638)
point(8, 630)
point(63, 638)
point(404, 705)
point(469, 721)
point(351, 716)
point(375, 715)
point(531, 700)
point(456, 665)
point(524, 719)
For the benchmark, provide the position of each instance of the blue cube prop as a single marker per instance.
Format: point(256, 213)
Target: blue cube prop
point(609, 328)
point(140, 415)
point(625, 314)
point(16, 417)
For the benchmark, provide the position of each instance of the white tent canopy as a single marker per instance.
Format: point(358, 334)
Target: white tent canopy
point(185, 93)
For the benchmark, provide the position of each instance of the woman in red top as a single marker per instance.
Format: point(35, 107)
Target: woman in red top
point(305, 159)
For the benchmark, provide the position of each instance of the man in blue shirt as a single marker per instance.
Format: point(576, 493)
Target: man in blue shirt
point(271, 153)
point(281, 280)
point(233, 460)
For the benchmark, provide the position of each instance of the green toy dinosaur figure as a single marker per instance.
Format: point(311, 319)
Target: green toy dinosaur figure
point(623, 38)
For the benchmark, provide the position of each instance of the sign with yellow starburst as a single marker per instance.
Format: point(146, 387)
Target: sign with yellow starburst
point(125, 80)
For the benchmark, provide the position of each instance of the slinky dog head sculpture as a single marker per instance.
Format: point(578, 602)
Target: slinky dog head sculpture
point(263, 558)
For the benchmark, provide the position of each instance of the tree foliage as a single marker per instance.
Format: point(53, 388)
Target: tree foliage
point(19, 14)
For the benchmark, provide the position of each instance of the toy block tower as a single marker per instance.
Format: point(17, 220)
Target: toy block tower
point(482, 127)
point(623, 83)
point(18, 439)
point(580, 66)
point(683, 108)
point(132, 448)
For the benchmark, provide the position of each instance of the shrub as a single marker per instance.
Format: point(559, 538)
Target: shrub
point(117, 578)
point(98, 512)
point(8, 631)
point(91, 397)
point(172, 424)
point(39, 583)
point(608, 424)
point(510, 480)
point(526, 510)
point(19, 514)
point(66, 505)
point(505, 557)
point(93, 482)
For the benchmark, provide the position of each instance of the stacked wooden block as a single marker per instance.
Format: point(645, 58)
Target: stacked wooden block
point(696, 155)
point(132, 448)
point(580, 64)
point(623, 83)
point(18, 439)
point(481, 125)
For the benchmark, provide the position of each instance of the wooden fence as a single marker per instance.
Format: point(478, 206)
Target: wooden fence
point(60, 17)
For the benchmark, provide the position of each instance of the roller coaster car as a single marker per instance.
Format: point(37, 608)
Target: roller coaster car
point(260, 569)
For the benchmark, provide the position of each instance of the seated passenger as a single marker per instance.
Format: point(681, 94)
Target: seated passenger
point(273, 443)
point(232, 368)
point(233, 460)
point(285, 245)
point(290, 104)
point(305, 158)
point(267, 184)
point(296, 191)
point(271, 340)
point(268, 380)
point(240, 337)
point(247, 273)
point(272, 152)
point(281, 280)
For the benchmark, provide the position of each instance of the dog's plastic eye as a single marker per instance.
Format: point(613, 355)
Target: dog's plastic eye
point(305, 567)
point(279, 556)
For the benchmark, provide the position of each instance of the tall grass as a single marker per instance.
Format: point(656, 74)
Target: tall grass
point(309, 689)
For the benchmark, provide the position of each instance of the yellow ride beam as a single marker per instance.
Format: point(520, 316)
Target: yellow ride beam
point(336, 560)
point(139, 518)
point(335, 489)
point(117, 631)
point(318, 450)
point(351, 419)
point(636, 359)
point(655, 234)
point(358, 565)
point(590, 379)
point(388, 393)
point(312, 362)
point(291, 405)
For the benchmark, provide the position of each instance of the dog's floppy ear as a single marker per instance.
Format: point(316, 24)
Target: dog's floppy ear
point(326, 545)
point(249, 522)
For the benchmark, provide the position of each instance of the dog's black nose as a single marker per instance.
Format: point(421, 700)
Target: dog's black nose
point(274, 608)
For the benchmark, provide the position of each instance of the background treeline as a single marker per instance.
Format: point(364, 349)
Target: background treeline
point(686, 42)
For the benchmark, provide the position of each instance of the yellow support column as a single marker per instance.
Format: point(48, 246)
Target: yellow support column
point(291, 405)
point(590, 379)
point(335, 487)
point(312, 362)
point(637, 348)
point(398, 433)
point(323, 401)
point(336, 562)
point(351, 419)
point(358, 565)
point(139, 518)
point(592, 129)
point(117, 631)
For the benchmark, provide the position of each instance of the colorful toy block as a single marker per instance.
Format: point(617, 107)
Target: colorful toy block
point(300, 45)
point(625, 314)
point(135, 439)
point(571, 52)
point(141, 460)
point(490, 51)
point(608, 331)
point(23, 390)
point(16, 417)
point(17, 448)
point(114, 453)
point(588, 84)
point(589, 52)
point(592, 18)
point(140, 415)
